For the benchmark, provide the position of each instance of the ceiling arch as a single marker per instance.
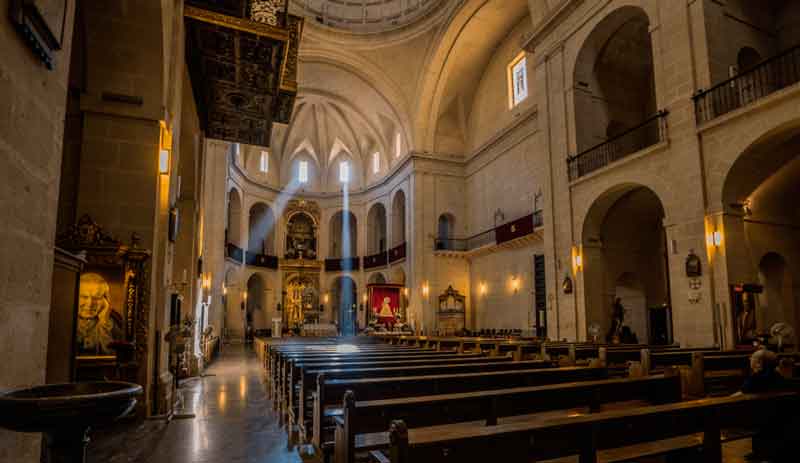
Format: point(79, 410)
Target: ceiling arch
point(455, 66)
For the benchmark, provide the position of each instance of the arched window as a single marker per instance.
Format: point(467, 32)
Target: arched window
point(302, 172)
point(376, 162)
point(398, 145)
point(263, 165)
point(518, 80)
point(344, 172)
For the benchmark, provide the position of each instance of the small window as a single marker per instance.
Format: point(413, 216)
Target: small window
point(518, 80)
point(302, 172)
point(398, 145)
point(344, 171)
point(376, 163)
point(264, 164)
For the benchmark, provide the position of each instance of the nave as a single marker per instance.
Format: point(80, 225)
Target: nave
point(233, 422)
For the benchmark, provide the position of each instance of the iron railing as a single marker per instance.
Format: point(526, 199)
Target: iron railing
point(648, 133)
point(771, 75)
point(261, 260)
point(345, 264)
point(380, 259)
point(511, 230)
point(397, 253)
point(234, 252)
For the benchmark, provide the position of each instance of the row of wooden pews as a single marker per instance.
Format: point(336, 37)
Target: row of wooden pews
point(442, 399)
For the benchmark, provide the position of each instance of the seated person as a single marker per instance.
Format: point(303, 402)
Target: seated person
point(764, 376)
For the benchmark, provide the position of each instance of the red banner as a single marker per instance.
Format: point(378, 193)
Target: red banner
point(385, 303)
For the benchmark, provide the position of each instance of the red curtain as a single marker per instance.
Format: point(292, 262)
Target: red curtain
point(378, 295)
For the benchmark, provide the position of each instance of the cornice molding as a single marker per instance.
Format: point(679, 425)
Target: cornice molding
point(555, 17)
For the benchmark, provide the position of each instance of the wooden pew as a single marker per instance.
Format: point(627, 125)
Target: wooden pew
point(282, 383)
point(329, 393)
point(295, 390)
point(615, 435)
point(309, 373)
point(362, 427)
point(282, 360)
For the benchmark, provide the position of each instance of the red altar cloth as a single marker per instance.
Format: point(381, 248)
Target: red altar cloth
point(385, 295)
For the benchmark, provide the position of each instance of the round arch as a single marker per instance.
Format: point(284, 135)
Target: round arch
point(376, 229)
point(619, 44)
point(344, 304)
point(233, 228)
point(399, 218)
point(343, 235)
point(261, 230)
point(625, 268)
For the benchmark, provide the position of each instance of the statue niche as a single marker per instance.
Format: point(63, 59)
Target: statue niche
point(301, 237)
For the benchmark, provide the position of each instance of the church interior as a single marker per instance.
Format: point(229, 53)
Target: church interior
point(393, 231)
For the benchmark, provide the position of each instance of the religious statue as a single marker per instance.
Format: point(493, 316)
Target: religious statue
point(617, 318)
point(98, 323)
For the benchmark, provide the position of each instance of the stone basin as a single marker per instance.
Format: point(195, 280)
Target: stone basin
point(66, 412)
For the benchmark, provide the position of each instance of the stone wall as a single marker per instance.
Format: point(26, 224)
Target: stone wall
point(31, 126)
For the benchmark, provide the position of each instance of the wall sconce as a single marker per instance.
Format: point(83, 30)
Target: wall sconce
point(515, 283)
point(425, 289)
point(163, 162)
point(714, 238)
point(224, 290)
point(364, 298)
point(326, 298)
point(244, 296)
point(405, 292)
point(165, 146)
point(577, 259)
point(482, 289)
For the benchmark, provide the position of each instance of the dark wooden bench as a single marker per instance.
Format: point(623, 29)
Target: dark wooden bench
point(289, 373)
point(330, 393)
point(302, 406)
point(279, 380)
point(587, 435)
point(363, 426)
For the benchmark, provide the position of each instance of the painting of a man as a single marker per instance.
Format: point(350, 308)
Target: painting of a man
point(98, 323)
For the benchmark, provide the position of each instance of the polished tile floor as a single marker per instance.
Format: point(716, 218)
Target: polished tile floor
point(234, 423)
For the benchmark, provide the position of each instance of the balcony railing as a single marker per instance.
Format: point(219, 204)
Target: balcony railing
point(648, 133)
point(509, 231)
point(380, 259)
point(234, 252)
point(768, 77)
point(261, 260)
point(346, 264)
point(397, 253)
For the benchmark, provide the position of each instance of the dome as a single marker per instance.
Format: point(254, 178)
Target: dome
point(364, 16)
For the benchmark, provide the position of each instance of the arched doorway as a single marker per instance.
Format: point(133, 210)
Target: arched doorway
point(619, 45)
point(233, 228)
point(344, 301)
point(399, 218)
point(343, 235)
point(261, 236)
point(376, 229)
point(625, 267)
point(777, 301)
point(255, 308)
point(761, 240)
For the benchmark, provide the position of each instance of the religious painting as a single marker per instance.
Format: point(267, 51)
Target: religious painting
point(111, 311)
point(743, 304)
point(301, 237)
point(100, 317)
